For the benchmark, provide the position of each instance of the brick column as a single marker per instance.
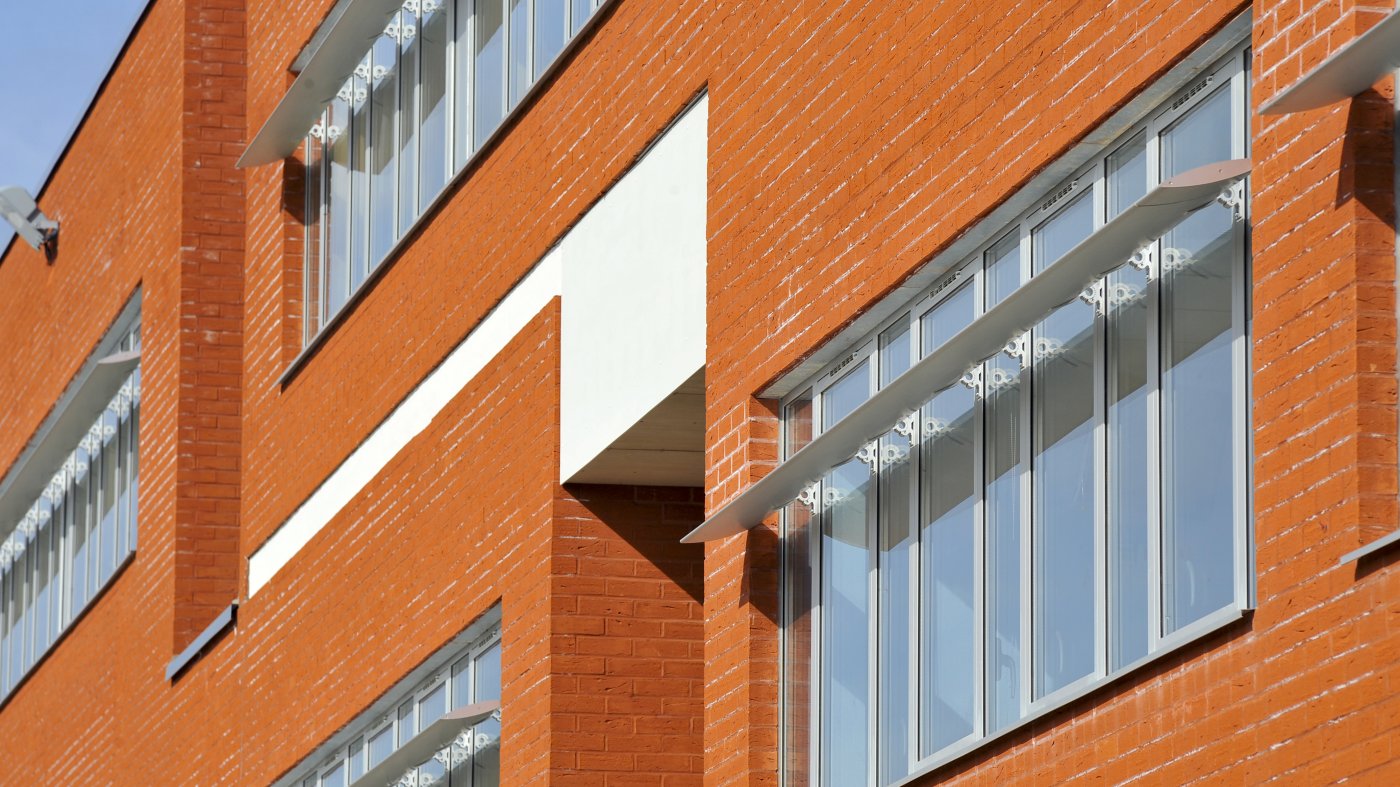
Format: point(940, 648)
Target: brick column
point(210, 314)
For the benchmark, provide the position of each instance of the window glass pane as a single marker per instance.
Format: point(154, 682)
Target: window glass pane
point(408, 120)
point(846, 394)
point(798, 630)
point(1003, 269)
point(359, 176)
point(407, 727)
point(357, 760)
point(1127, 174)
point(337, 278)
point(894, 352)
point(432, 706)
point(1201, 137)
point(490, 66)
point(60, 571)
point(799, 423)
point(486, 736)
point(1003, 535)
point(132, 472)
point(520, 78)
point(40, 547)
point(951, 315)
point(108, 537)
point(1064, 231)
point(311, 286)
point(1200, 471)
point(24, 576)
point(581, 10)
point(845, 603)
point(4, 630)
point(382, 174)
point(948, 621)
point(462, 85)
point(897, 564)
point(381, 745)
point(550, 32)
point(435, 161)
point(334, 776)
point(1129, 460)
point(1064, 493)
point(78, 499)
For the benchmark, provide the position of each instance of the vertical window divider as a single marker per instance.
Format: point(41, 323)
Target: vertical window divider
point(912, 747)
point(1102, 660)
point(449, 97)
point(1025, 681)
point(979, 522)
point(1240, 349)
point(872, 602)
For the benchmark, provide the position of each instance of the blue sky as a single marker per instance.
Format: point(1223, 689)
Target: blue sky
point(53, 55)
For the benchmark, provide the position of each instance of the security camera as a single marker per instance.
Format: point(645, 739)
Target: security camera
point(38, 230)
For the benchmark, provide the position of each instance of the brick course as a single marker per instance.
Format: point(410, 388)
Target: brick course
point(849, 143)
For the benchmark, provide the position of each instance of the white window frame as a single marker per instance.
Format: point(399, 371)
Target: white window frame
point(1230, 73)
point(384, 713)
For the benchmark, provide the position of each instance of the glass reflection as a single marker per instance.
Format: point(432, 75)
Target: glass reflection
point(845, 562)
point(550, 32)
point(1064, 231)
point(519, 50)
point(311, 288)
point(359, 175)
point(1127, 174)
point(897, 556)
point(433, 142)
point(1003, 536)
point(582, 9)
point(1004, 273)
point(490, 68)
point(1064, 493)
point(1198, 389)
point(384, 151)
point(338, 217)
point(1129, 460)
point(409, 47)
point(950, 316)
point(948, 502)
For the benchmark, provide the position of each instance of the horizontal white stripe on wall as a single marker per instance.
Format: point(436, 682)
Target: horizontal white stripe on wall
point(410, 418)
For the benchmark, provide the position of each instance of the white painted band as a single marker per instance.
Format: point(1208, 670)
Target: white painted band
point(533, 293)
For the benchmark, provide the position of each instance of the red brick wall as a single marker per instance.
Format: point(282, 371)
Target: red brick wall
point(211, 316)
point(849, 143)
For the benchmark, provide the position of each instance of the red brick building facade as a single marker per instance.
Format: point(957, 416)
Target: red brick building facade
point(488, 425)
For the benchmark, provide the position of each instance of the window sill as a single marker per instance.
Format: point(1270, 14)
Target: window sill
point(72, 625)
point(1357, 555)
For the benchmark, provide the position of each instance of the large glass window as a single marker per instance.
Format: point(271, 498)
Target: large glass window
point(1075, 506)
point(465, 675)
point(70, 543)
point(427, 95)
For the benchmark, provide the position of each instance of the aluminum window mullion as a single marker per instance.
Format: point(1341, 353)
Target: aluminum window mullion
point(1240, 350)
point(874, 503)
point(912, 724)
point(449, 97)
point(1026, 507)
point(1102, 659)
point(417, 119)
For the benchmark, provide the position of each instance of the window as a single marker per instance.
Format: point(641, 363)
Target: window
point(459, 676)
point(428, 94)
point(1077, 505)
point(79, 532)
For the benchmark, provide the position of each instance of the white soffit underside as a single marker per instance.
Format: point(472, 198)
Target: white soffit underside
point(634, 315)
